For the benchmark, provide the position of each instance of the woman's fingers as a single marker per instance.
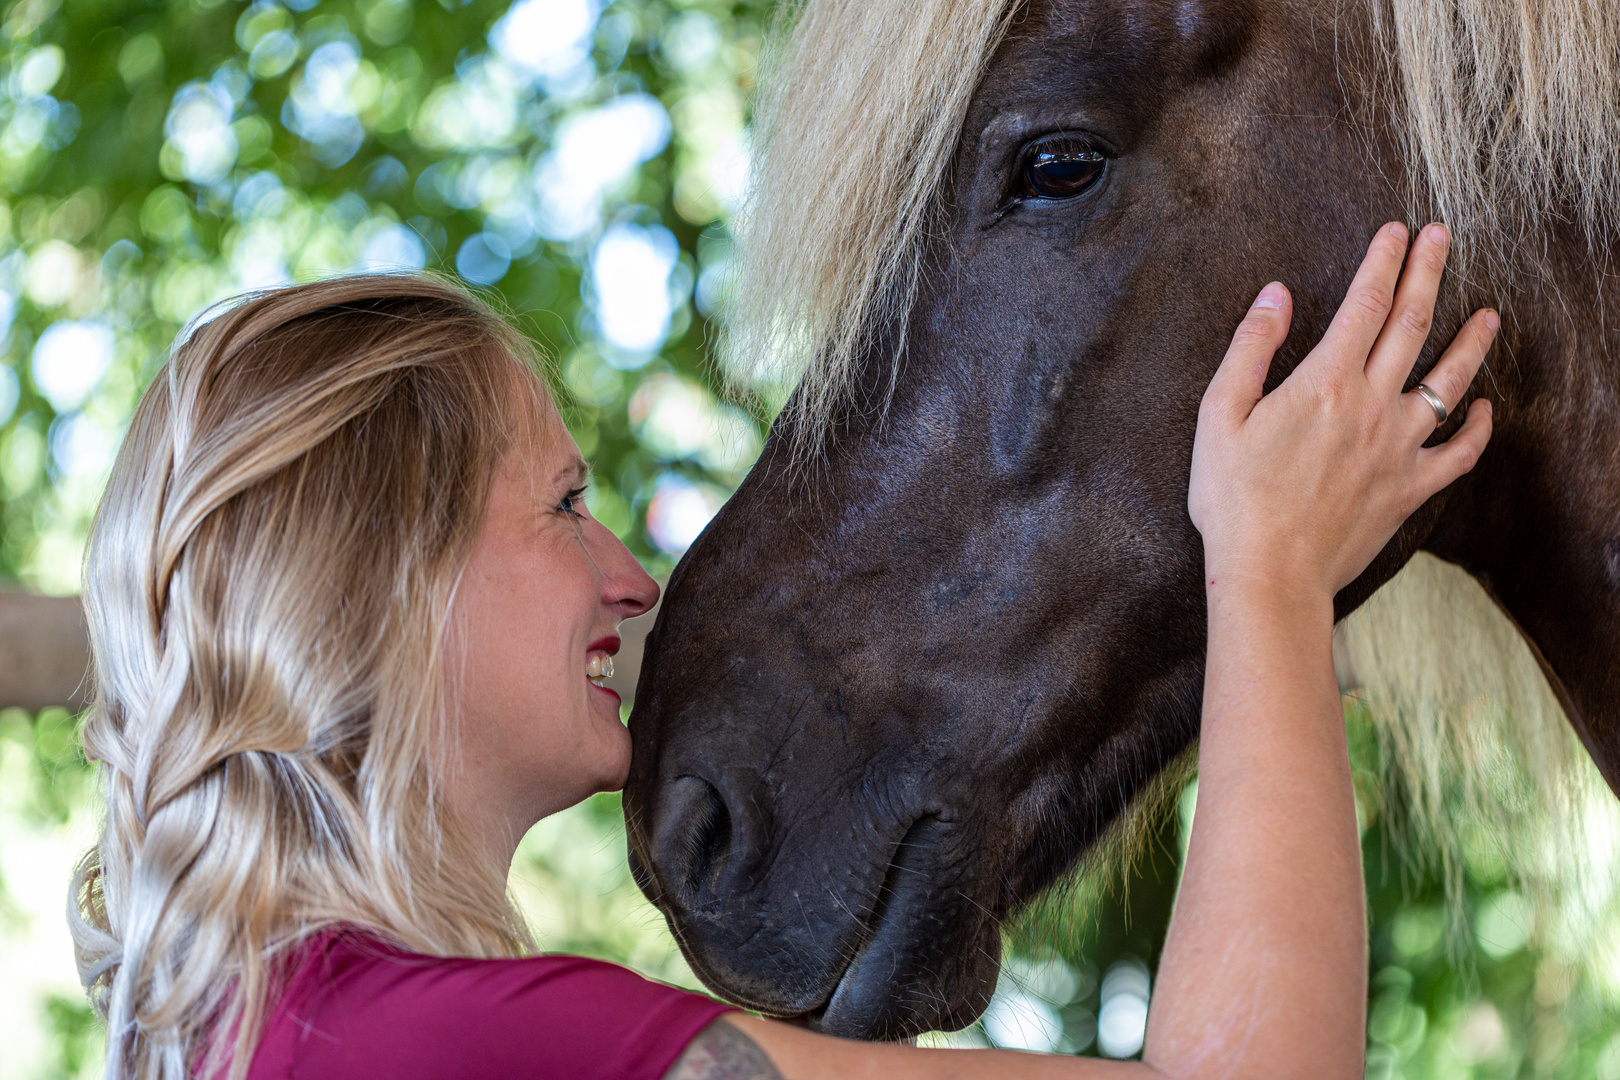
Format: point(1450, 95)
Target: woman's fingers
point(1440, 465)
point(1407, 328)
point(1360, 319)
point(1450, 378)
point(1241, 378)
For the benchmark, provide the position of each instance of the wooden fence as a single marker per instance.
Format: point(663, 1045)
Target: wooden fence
point(45, 654)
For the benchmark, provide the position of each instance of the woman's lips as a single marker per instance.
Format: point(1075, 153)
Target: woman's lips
point(599, 664)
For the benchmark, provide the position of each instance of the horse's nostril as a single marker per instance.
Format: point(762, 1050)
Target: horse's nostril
point(694, 838)
point(709, 844)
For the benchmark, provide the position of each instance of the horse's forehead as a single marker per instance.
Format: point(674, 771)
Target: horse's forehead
point(1145, 21)
point(1062, 18)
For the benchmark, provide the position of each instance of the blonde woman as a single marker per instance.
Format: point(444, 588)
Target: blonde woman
point(348, 608)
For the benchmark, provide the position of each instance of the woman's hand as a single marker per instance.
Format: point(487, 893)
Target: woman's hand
point(1303, 486)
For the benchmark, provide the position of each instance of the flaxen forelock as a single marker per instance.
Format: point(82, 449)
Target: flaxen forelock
point(855, 90)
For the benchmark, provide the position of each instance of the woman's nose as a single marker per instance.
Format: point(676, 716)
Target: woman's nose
point(625, 585)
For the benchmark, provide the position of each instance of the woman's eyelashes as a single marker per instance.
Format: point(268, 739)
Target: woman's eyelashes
point(573, 503)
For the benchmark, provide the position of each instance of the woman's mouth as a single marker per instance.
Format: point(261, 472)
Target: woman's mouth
point(599, 664)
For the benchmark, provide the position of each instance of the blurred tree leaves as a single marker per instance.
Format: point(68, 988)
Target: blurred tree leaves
point(1497, 987)
point(158, 157)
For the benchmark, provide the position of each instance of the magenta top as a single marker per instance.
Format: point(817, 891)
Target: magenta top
point(355, 1006)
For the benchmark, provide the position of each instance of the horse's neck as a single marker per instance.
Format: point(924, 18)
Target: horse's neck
point(1539, 520)
point(1568, 337)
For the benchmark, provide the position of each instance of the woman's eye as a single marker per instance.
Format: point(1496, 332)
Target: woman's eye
point(1061, 172)
point(573, 502)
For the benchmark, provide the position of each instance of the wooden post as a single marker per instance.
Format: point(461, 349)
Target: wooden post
point(44, 652)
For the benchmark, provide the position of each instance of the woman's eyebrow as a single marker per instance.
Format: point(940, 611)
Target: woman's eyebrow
point(576, 471)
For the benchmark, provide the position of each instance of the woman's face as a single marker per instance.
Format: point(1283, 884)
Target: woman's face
point(535, 617)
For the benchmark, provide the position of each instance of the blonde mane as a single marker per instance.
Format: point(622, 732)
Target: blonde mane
point(1508, 112)
point(862, 106)
point(1512, 110)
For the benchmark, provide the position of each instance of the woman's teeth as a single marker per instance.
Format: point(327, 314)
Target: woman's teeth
point(599, 668)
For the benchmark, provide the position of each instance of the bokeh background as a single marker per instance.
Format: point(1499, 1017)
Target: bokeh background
point(580, 159)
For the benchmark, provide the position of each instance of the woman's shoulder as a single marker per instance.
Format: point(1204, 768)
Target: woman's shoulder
point(354, 1002)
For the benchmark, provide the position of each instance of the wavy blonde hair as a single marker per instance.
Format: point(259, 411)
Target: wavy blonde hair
point(267, 587)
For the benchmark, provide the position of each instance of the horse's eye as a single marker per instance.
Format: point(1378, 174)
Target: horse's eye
point(1061, 171)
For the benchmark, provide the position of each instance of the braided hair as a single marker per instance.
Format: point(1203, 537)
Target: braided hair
point(267, 584)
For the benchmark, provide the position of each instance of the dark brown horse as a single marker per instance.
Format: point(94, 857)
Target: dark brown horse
point(895, 692)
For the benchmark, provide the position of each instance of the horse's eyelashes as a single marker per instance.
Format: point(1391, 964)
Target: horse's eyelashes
point(1060, 170)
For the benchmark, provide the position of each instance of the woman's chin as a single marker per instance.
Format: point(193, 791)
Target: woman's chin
point(614, 757)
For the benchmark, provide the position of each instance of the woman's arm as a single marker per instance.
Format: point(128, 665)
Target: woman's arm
point(1265, 969)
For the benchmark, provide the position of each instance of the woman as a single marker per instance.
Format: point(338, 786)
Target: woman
point(349, 613)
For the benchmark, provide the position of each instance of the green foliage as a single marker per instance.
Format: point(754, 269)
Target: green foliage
point(1494, 987)
point(46, 1025)
point(58, 777)
point(158, 157)
point(75, 1038)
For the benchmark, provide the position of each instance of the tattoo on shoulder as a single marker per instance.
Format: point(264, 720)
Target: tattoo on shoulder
point(722, 1052)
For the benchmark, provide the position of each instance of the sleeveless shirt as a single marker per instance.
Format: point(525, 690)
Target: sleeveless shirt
point(354, 1006)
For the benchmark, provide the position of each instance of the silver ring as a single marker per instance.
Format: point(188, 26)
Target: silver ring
point(1434, 401)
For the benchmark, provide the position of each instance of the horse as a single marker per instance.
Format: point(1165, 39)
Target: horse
point(952, 623)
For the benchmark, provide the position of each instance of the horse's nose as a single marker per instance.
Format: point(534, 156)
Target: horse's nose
point(692, 839)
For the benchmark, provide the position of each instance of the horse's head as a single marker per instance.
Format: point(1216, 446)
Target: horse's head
point(891, 696)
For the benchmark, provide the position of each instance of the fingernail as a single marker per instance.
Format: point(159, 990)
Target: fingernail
point(1397, 230)
point(1440, 234)
point(1493, 320)
point(1272, 296)
point(1486, 406)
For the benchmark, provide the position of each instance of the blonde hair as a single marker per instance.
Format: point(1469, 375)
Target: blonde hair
point(267, 586)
